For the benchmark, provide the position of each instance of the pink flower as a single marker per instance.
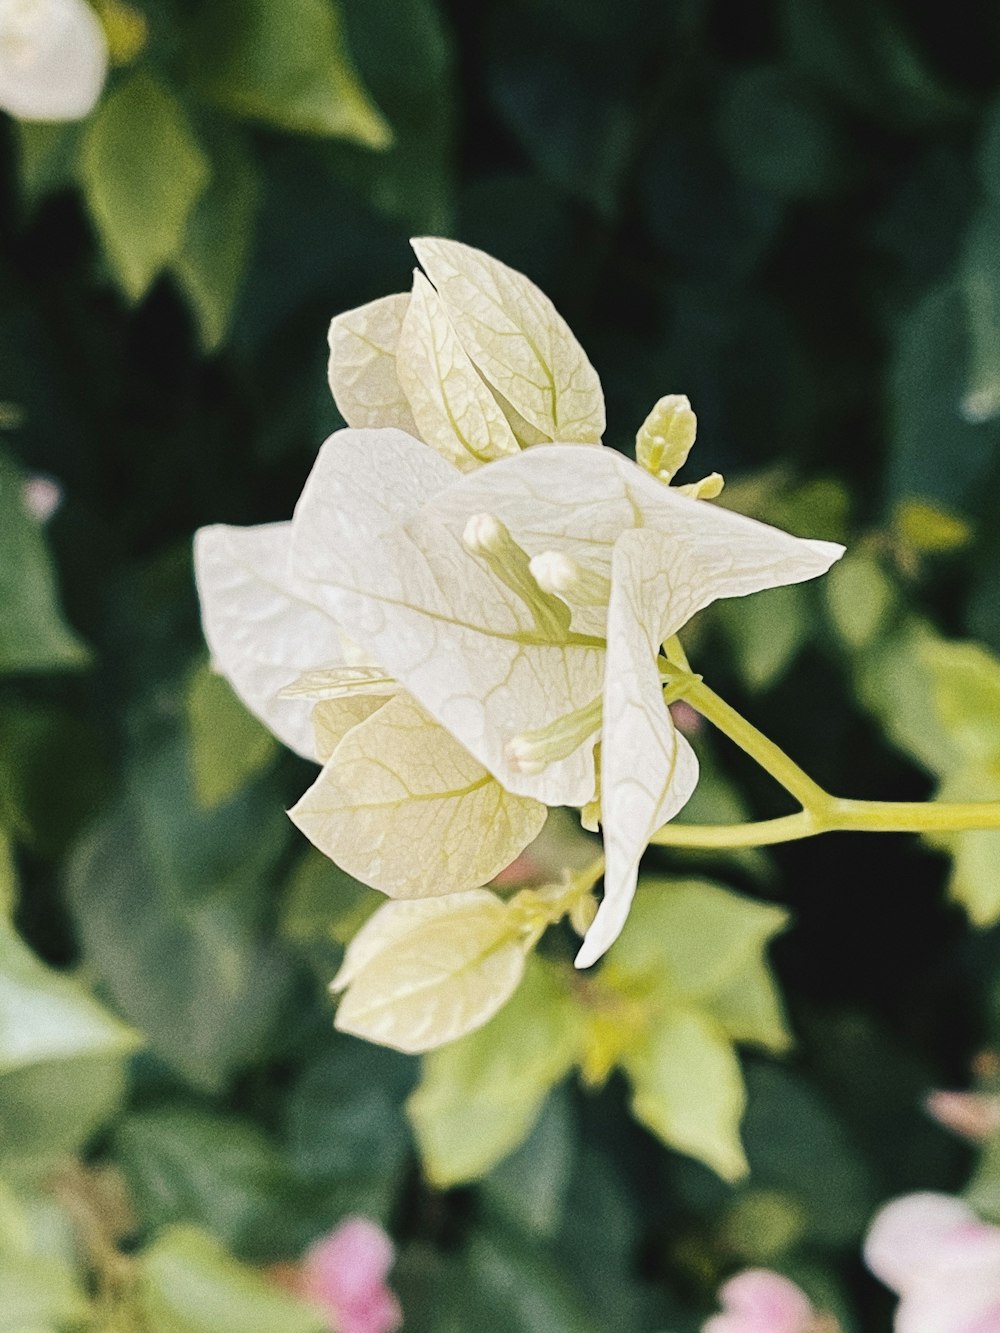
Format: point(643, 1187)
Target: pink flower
point(974, 1115)
point(759, 1301)
point(942, 1261)
point(346, 1272)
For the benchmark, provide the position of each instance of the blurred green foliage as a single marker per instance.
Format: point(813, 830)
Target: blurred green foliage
point(788, 211)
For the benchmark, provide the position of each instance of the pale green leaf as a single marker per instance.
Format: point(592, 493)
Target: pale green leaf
point(229, 747)
point(767, 633)
point(981, 291)
point(403, 807)
point(688, 1089)
point(33, 634)
point(930, 529)
point(695, 937)
point(362, 367)
point(422, 973)
point(518, 340)
point(218, 241)
point(975, 881)
point(452, 406)
point(860, 599)
point(46, 1016)
point(40, 1295)
point(143, 172)
point(286, 65)
point(748, 1006)
point(965, 679)
point(479, 1097)
point(189, 1284)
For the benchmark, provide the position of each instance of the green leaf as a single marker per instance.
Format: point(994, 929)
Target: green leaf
point(479, 1097)
point(33, 634)
point(767, 632)
point(143, 171)
point(184, 1164)
point(8, 878)
point(218, 242)
point(189, 1284)
point(691, 937)
point(528, 1189)
point(347, 1139)
point(965, 679)
point(405, 54)
point(323, 908)
point(46, 157)
point(39, 1295)
point(53, 1034)
point(229, 747)
point(687, 1088)
point(749, 1009)
point(168, 899)
point(937, 450)
point(974, 882)
point(524, 1291)
point(779, 135)
point(286, 65)
point(859, 598)
point(981, 292)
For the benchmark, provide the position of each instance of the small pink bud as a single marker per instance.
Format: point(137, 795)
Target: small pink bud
point(759, 1301)
point(42, 497)
point(346, 1272)
point(686, 719)
point(973, 1115)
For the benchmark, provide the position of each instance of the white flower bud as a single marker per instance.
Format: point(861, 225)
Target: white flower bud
point(53, 59)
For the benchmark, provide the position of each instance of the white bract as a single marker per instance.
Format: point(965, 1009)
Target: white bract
point(53, 59)
point(512, 603)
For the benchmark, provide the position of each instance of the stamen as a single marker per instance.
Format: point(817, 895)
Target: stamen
point(533, 751)
point(558, 573)
point(486, 538)
point(709, 488)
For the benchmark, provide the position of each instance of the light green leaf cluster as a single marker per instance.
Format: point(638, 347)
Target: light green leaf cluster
point(33, 633)
point(939, 701)
point(476, 365)
point(479, 1097)
point(687, 980)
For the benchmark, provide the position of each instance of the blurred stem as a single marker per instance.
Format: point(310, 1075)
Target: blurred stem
point(821, 812)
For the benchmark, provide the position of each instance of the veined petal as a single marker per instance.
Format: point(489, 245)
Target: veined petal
point(454, 410)
point(659, 579)
point(648, 769)
point(403, 807)
point(362, 368)
point(261, 626)
point(332, 719)
point(519, 341)
point(437, 619)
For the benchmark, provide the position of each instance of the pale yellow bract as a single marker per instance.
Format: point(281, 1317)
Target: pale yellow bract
point(454, 623)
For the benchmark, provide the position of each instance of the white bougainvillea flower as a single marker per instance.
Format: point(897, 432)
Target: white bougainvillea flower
point(457, 626)
point(476, 361)
point(399, 802)
point(523, 605)
point(53, 59)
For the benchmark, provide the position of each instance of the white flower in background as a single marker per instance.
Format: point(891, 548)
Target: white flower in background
point(942, 1261)
point(507, 608)
point(53, 59)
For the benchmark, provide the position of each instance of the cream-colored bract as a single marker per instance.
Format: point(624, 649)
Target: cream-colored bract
point(53, 59)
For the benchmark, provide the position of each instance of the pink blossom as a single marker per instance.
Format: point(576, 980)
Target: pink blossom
point(942, 1261)
point(973, 1115)
point(759, 1301)
point(346, 1272)
point(685, 718)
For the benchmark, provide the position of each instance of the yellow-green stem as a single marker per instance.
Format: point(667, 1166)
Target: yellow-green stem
point(821, 812)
